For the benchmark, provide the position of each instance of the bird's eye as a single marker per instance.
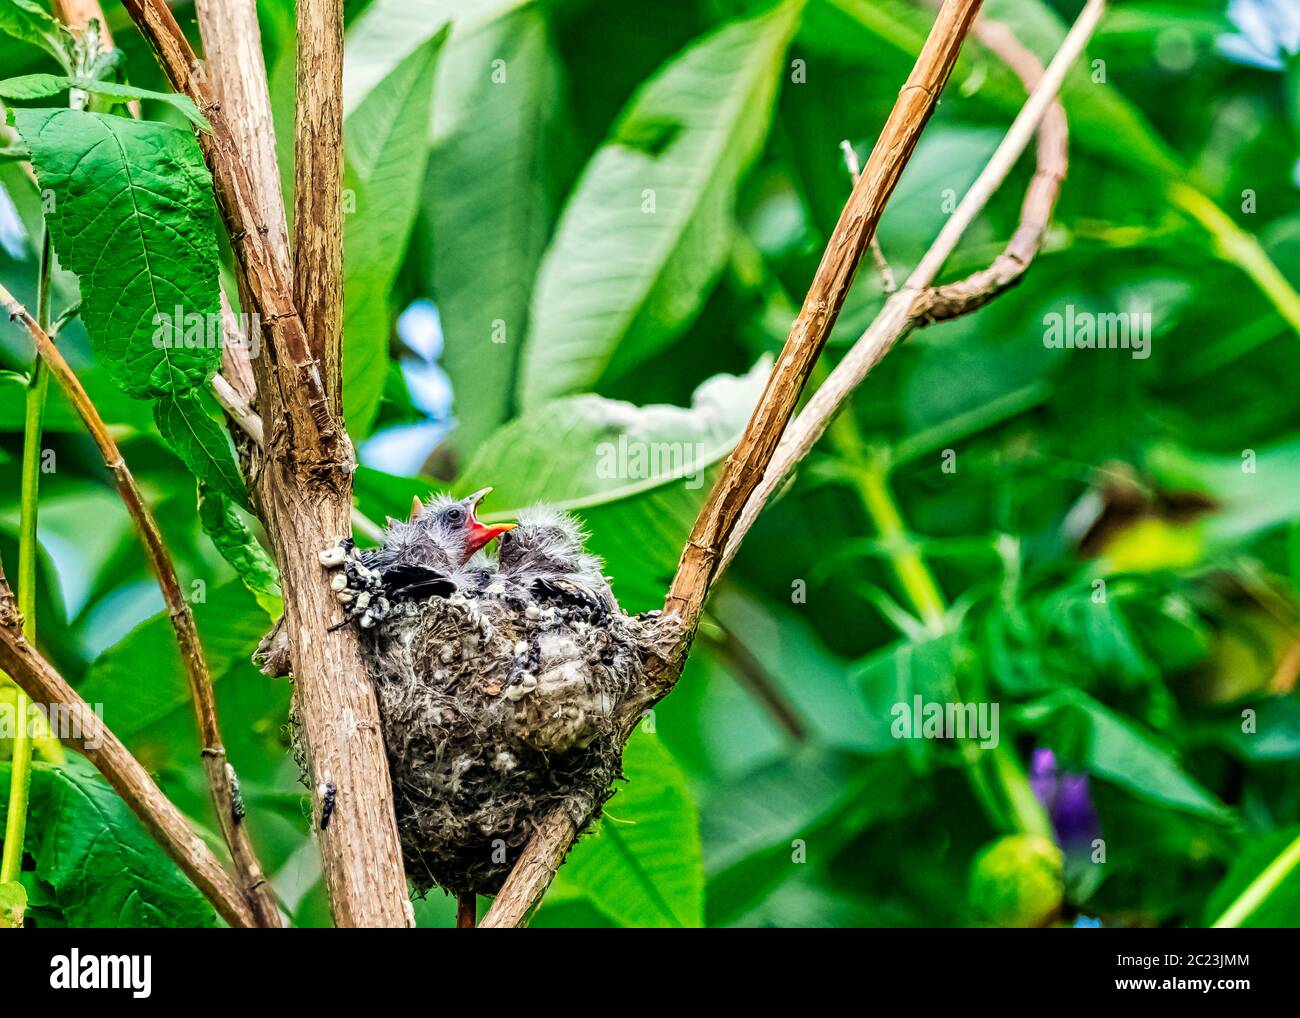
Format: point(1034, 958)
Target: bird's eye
point(455, 514)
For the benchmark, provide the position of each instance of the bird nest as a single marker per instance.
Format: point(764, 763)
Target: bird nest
point(506, 687)
point(495, 712)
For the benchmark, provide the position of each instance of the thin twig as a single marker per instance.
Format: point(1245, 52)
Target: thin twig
point(887, 281)
point(546, 849)
point(219, 772)
point(918, 303)
point(749, 671)
point(744, 467)
point(38, 678)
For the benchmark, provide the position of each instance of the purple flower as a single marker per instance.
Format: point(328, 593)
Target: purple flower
point(1268, 32)
point(1066, 798)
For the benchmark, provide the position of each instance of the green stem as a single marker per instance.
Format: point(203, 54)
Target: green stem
point(1005, 794)
point(1241, 247)
point(11, 861)
point(1259, 889)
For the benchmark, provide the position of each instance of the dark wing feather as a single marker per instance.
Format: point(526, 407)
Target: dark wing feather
point(404, 582)
point(567, 593)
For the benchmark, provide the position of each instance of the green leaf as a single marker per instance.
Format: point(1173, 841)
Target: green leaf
point(141, 676)
point(13, 903)
point(237, 544)
point(642, 865)
point(1262, 890)
point(636, 475)
point(389, 31)
point(202, 444)
point(1112, 747)
point(386, 139)
point(774, 823)
point(135, 218)
point(28, 21)
point(42, 86)
point(104, 868)
point(623, 278)
point(489, 210)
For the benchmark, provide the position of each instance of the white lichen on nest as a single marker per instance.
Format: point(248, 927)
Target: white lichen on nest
point(494, 712)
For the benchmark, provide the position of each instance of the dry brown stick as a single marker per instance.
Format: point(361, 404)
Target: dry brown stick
point(545, 850)
point(744, 467)
point(232, 54)
point(304, 493)
point(39, 680)
point(318, 445)
point(918, 303)
point(532, 873)
point(220, 774)
point(318, 185)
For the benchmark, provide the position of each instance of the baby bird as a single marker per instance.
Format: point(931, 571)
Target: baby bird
point(428, 556)
point(543, 558)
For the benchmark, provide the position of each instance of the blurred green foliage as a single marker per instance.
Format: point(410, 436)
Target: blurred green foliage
point(615, 214)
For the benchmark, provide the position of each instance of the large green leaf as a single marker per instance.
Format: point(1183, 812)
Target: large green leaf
point(42, 86)
point(784, 821)
point(649, 224)
point(642, 865)
point(134, 217)
point(202, 444)
point(489, 208)
point(1110, 746)
point(386, 138)
point(391, 30)
point(635, 475)
point(29, 21)
point(104, 868)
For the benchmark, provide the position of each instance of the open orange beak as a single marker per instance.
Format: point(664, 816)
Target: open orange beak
point(481, 533)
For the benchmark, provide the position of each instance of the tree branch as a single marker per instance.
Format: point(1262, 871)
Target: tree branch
point(304, 494)
point(918, 303)
point(744, 467)
point(318, 185)
point(38, 679)
point(220, 774)
point(543, 853)
point(541, 857)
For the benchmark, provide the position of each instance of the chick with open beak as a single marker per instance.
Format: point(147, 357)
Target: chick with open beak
point(419, 559)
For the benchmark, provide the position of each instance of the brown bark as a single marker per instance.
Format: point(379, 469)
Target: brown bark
point(304, 491)
point(318, 186)
point(857, 224)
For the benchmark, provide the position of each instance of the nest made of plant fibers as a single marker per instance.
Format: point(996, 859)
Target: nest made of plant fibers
point(493, 713)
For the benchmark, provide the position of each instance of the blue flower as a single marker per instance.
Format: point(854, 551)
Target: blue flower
point(1268, 32)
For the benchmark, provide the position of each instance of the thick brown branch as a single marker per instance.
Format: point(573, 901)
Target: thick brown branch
point(221, 780)
point(38, 679)
point(318, 185)
point(304, 493)
point(744, 467)
point(533, 873)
